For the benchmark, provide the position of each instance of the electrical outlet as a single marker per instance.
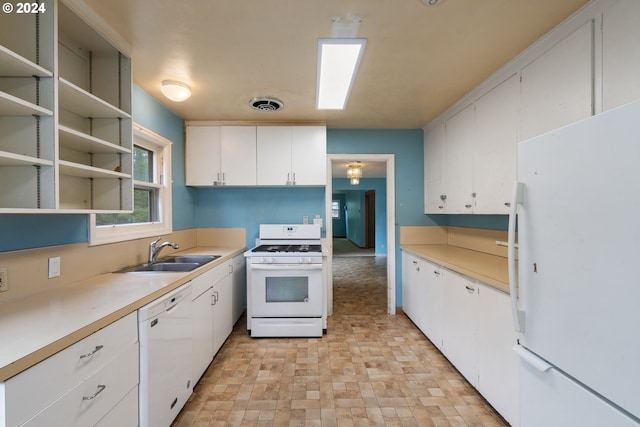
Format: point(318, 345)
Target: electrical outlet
point(54, 267)
point(4, 281)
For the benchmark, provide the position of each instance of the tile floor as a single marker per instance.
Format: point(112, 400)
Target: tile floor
point(370, 369)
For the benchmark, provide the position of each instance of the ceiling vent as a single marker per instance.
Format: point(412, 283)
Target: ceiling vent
point(266, 104)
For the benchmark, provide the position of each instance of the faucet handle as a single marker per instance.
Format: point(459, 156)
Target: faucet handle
point(156, 241)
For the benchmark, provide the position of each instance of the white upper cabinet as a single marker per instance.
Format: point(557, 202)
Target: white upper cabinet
point(458, 161)
point(434, 191)
point(220, 155)
point(202, 155)
point(292, 155)
point(621, 54)
point(557, 87)
point(494, 147)
point(72, 152)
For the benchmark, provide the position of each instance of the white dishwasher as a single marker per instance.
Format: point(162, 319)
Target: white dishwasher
point(165, 357)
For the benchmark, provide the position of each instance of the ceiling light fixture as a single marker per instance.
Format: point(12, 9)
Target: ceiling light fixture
point(338, 61)
point(354, 172)
point(175, 90)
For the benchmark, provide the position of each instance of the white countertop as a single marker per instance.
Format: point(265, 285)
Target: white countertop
point(38, 326)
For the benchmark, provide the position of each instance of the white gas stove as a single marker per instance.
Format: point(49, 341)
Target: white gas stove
point(286, 295)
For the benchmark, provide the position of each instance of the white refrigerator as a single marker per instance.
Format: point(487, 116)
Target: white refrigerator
point(577, 299)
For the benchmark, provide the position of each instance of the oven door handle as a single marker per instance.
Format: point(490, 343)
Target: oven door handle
point(286, 267)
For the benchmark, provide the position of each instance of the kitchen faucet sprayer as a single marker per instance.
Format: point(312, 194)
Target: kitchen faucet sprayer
point(154, 251)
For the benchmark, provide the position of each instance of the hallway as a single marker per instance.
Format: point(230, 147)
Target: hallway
point(370, 369)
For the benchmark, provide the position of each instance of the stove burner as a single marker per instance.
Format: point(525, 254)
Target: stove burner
point(287, 248)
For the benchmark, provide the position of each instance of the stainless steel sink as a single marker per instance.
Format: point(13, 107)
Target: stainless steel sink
point(197, 259)
point(178, 263)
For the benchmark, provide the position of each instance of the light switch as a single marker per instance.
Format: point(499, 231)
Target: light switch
point(54, 267)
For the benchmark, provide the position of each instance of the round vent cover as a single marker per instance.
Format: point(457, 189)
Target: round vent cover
point(266, 104)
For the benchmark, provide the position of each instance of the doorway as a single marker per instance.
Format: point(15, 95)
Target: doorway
point(389, 245)
point(370, 218)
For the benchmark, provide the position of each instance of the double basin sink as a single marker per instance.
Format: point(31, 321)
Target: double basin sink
point(178, 263)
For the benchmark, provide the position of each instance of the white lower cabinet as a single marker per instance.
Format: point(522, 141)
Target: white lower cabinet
point(497, 362)
point(212, 322)
point(470, 322)
point(79, 385)
point(459, 324)
point(222, 311)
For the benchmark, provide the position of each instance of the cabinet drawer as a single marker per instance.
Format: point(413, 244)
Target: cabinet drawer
point(34, 389)
point(209, 278)
point(94, 397)
point(125, 414)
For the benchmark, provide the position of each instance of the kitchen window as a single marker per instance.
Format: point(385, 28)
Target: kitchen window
point(151, 214)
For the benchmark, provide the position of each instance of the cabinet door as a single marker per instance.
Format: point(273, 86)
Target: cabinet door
point(202, 332)
point(309, 155)
point(459, 344)
point(202, 155)
point(620, 54)
point(458, 164)
point(557, 86)
point(497, 362)
point(434, 189)
point(409, 279)
point(222, 312)
point(433, 302)
point(238, 155)
point(494, 154)
point(274, 155)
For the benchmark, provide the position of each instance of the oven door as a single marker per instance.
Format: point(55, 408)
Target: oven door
point(286, 290)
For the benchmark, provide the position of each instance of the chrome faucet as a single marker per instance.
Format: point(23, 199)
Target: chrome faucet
point(153, 250)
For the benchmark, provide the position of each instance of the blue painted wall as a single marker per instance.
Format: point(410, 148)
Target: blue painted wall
point(33, 231)
point(379, 185)
point(250, 207)
point(407, 147)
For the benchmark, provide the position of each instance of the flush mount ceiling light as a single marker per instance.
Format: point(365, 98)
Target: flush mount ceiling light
point(175, 90)
point(431, 2)
point(354, 172)
point(338, 61)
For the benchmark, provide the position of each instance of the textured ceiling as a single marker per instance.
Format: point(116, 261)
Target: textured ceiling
point(418, 60)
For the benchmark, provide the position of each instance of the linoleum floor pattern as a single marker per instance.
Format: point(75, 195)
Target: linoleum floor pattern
point(370, 369)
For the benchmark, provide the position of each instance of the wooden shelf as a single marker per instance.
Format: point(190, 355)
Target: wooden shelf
point(13, 65)
point(83, 171)
point(11, 159)
point(85, 104)
point(74, 140)
point(14, 106)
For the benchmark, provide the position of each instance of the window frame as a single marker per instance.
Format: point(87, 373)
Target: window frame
point(336, 210)
point(99, 235)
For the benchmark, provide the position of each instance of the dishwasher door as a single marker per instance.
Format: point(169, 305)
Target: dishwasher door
point(165, 357)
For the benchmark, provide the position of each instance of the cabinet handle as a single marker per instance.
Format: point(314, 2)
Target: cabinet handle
point(294, 178)
point(214, 298)
point(507, 204)
point(436, 272)
point(93, 396)
point(467, 206)
point(443, 197)
point(91, 353)
point(223, 178)
point(440, 207)
point(470, 289)
point(415, 262)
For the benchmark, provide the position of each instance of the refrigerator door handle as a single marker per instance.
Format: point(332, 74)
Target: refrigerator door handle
point(518, 314)
point(531, 359)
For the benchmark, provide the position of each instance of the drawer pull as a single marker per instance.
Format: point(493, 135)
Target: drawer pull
point(470, 289)
point(436, 272)
point(91, 353)
point(93, 396)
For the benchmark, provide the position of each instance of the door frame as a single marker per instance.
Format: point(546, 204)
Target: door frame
point(389, 160)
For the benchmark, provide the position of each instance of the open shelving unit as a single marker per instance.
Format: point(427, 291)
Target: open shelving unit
point(65, 116)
